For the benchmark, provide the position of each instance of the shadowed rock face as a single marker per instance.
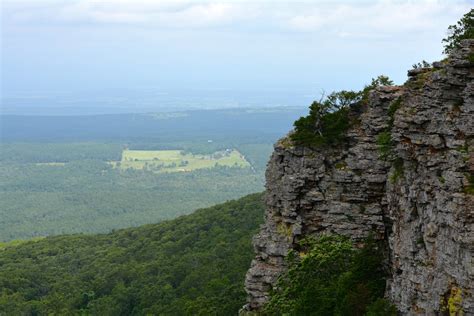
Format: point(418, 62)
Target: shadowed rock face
point(421, 205)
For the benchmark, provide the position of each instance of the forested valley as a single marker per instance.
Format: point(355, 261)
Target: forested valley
point(93, 174)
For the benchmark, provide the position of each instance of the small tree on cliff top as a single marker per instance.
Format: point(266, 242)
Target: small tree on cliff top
point(463, 29)
point(328, 118)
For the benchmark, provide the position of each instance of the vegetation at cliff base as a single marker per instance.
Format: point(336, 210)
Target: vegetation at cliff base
point(328, 276)
point(193, 265)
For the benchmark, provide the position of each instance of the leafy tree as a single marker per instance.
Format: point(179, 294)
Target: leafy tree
point(463, 29)
point(327, 120)
point(341, 99)
point(328, 276)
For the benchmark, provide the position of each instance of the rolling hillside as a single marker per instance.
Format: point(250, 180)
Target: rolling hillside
point(193, 265)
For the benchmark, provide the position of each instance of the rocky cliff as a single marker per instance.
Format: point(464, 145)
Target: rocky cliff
point(420, 201)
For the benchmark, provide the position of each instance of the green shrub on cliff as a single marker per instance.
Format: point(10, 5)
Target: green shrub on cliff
point(327, 121)
point(380, 81)
point(463, 29)
point(328, 276)
point(384, 143)
point(328, 118)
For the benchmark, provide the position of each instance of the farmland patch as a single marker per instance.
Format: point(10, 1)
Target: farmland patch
point(178, 161)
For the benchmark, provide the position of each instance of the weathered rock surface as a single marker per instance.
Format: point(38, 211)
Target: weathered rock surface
point(421, 205)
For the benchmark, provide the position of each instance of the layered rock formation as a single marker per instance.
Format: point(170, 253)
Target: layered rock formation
point(419, 197)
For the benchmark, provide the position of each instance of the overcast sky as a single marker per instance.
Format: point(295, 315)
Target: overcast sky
point(80, 45)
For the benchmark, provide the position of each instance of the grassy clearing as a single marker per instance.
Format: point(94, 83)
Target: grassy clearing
point(177, 161)
point(14, 243)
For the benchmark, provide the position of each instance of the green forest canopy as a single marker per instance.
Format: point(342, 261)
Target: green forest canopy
point(67, 188)
point(193, 265)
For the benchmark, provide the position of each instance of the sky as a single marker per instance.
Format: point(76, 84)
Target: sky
point(54, 47)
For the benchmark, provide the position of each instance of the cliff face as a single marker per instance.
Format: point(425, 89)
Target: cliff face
point(420, 201)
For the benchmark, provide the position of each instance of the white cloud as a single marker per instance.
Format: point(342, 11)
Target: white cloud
point(339, 18)
point(203, 15)
point(99, 42)
point(378, 18)
point(177, 13)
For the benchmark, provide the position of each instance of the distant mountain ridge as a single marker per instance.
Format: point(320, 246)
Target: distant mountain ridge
point(266, 123)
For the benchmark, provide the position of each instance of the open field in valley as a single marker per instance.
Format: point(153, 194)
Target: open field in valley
point(178, 161)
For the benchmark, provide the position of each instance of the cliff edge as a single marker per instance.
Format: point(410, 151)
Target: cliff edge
point(421, 202)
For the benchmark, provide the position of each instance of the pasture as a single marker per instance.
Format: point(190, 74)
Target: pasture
point(178, 161)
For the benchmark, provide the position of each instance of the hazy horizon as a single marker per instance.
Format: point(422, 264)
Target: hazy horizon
point(90, 57)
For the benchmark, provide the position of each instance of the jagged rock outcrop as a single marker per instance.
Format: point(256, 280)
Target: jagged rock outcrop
point(420, 201)
point(432, 242)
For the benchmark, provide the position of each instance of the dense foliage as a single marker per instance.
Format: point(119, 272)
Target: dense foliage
point(193, 265)
point(463, 29)
point(328, 118)
point(328, 276)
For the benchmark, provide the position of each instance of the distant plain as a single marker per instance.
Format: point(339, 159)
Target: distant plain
point(93, 174)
